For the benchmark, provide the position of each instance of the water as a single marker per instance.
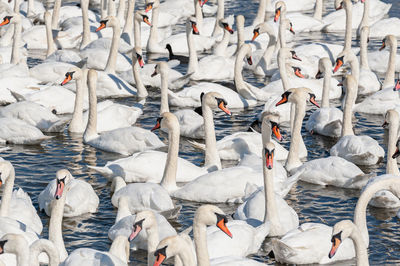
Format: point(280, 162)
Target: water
point(36, 165)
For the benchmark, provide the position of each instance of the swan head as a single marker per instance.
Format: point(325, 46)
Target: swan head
point(63, 179)
point(297, 95)
point(191, 25)
point(324, 66)
point(145, 220)
point(397, 86)
point(169, 247)
point(74, 73)
point(388, 40)
point(202, 2)
point(391, 116)
point(11, 19)
point(280, 7)
point(140, 16)
point(161, 68)
point(137, 56)
point(245, 51)
point(167, 120)
point(223, 23)
point(340, 232)
point(107, 22)
point(211, 215)
point(268, 155)
point(13, 243)
point(271, 120)
point(5, 171)
point(297, 72)
point(215, 101)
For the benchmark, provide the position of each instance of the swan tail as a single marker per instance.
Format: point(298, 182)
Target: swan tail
point(104, 171)
point(290, 181)
point(281, 250)
point(172, 213)
point(58, 126)
point(82, 63)
point(17, 96)
point(334, 127)
point(180, 82)
point(197, 145)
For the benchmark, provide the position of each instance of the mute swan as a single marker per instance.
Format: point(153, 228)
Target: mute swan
point(385, 99)
point(311, 242)
point(122, 140)
point(362, 150)
point(180, 245)
point(326, 121)
point(80, 198)
point(17, 55)
point(106, 116)
point(19, 132)
point(347, 229)
point(17, 205)
point(251, 210)
point(27, 255)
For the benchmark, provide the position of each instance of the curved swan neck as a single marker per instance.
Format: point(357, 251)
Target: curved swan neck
point(120, 247)
point(212, 158)
point(171, 166)
point(390, 72)
point(193, 61)
point(77, 124)
point(349, 17)
point(85, 24)
point(200, 242)
point(91, 127)
point(123, 208)
point(15, 54)
point(153, 38)
point(49, 34)
point(128, 27)
point(350, 97)
point(112, 58)
point(56, 14)
point(260, 13)
point(360, 218)
point(7, 193)
point(364, 48)
point(44, 245)
point(361, 249)
point(391, 165)
point(269, 51)
point(164, 107)
point(240, 31)
point(318, 10)
point(220, 49)
point(141, 89)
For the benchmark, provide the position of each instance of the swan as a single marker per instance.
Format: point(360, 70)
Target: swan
point(385, 99)
point(151, 225)
point(17, 131)
point(106, 116)
point(347, 229)
point(80, 198)
point(251, 210)
point(14, 54)
point(311, 242)
point(326, 121)
point(124, 141)
point(17, 204)
point(361, 150)
point(27, 255)
point(180, 245)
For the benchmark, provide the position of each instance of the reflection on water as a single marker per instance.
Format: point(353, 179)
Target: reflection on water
point(36, 166)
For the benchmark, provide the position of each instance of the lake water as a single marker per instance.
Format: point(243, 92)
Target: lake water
point(36, 165)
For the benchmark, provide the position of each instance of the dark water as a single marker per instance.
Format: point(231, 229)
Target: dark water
point(36, 166)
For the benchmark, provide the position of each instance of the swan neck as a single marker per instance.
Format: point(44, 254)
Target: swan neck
point(260, 17)
point(361, 249)
point(46, 246)
point(390, 73)
point(128, 27)
point(268, 53)
point(283, 71)
point(240, 32)
point(91, 127)
point(85, 24)
point(15, 56)
point(119, 247)
point(326, 88)
point(77, 124)
point(103, 9)
point(171, 167)
point(365, 17)
point(123, 208)
point(164, 93)
point(200, 242)
point(198, 13)
point(118, 183)
point(55, 225)
point(112, 58)
point(355, 68)
point(318, 10)
point(56, 14)
point(212, 158)
point(220, 49)
point(364, 50)
point(296, 139)
point(152, 239)
point(49, 34)
point(350, 97)
point(193, 61)
point(271, 210)
point(111, 8)
point(137, 34)
point(282, 33)
point(153, 38)
point(349, 31)
point(141, 89)
point(121, 11)
point(7, 193)
point(391, 165)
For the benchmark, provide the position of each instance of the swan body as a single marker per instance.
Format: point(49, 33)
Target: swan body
point(384, 27)
point(19, 132)
point(92, 257)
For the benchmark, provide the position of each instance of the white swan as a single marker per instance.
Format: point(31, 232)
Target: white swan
point(17, 131)
point(347, 229)
point(361, 150)
point(80, 198)
point(106, 116)
point(27, 255)
point(122, 140)
point(17, 204)
point(13, 54)
point(327, 120)
point(311, 242)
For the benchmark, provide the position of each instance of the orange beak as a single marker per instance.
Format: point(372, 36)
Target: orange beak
point(277, 14)
point(66, 80)
point(269, 160)
point(146, 20)
point(335, 246)
point(291, 30)
point(202, 2)
point(298, 73)
point(160, 258)
point(195, 29)
point(380, 49)
point(282, 101)
point(59, 189)
point(149, 7)
point(102, 26)
point(250, 60)
point(229, 29)
point(223, 108)
point(141, 62)
point(339, 7)
point(313, 101)
point(157, 126)
point(5, 22)
point(277, 133)
point(1, 183)
point(136, 230)
point(339, 63)
point(221, 225)
point(397, 86)
point(256, 33)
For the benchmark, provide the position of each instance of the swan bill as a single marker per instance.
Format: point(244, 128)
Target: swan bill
point(297, 72)
point(276, 130)
point(149, 7)
point(161, 255)
point(146, 20)
point(256, 33)
point(137, 227)
point(140, 60)
point(158, 124)
point(68, 78)
point(291, 29)
point(383, 45)
point(250, 60)
point(2, 243)
point(319, 75)
point(285, 98)
point(339, 63)
point(397, 86)
point(340, 6)
point(6, 20)
point(222, 105)
point(195, 29)
point(60, 188)
point(294, 56)
point(313, 101)
point(155, 72)
point(226, 26)
point(221, 224)
point(202, 3)
point(396, 153)
point(277, 14)
point(102, 25)
point(269, 158)
point(336, 240)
